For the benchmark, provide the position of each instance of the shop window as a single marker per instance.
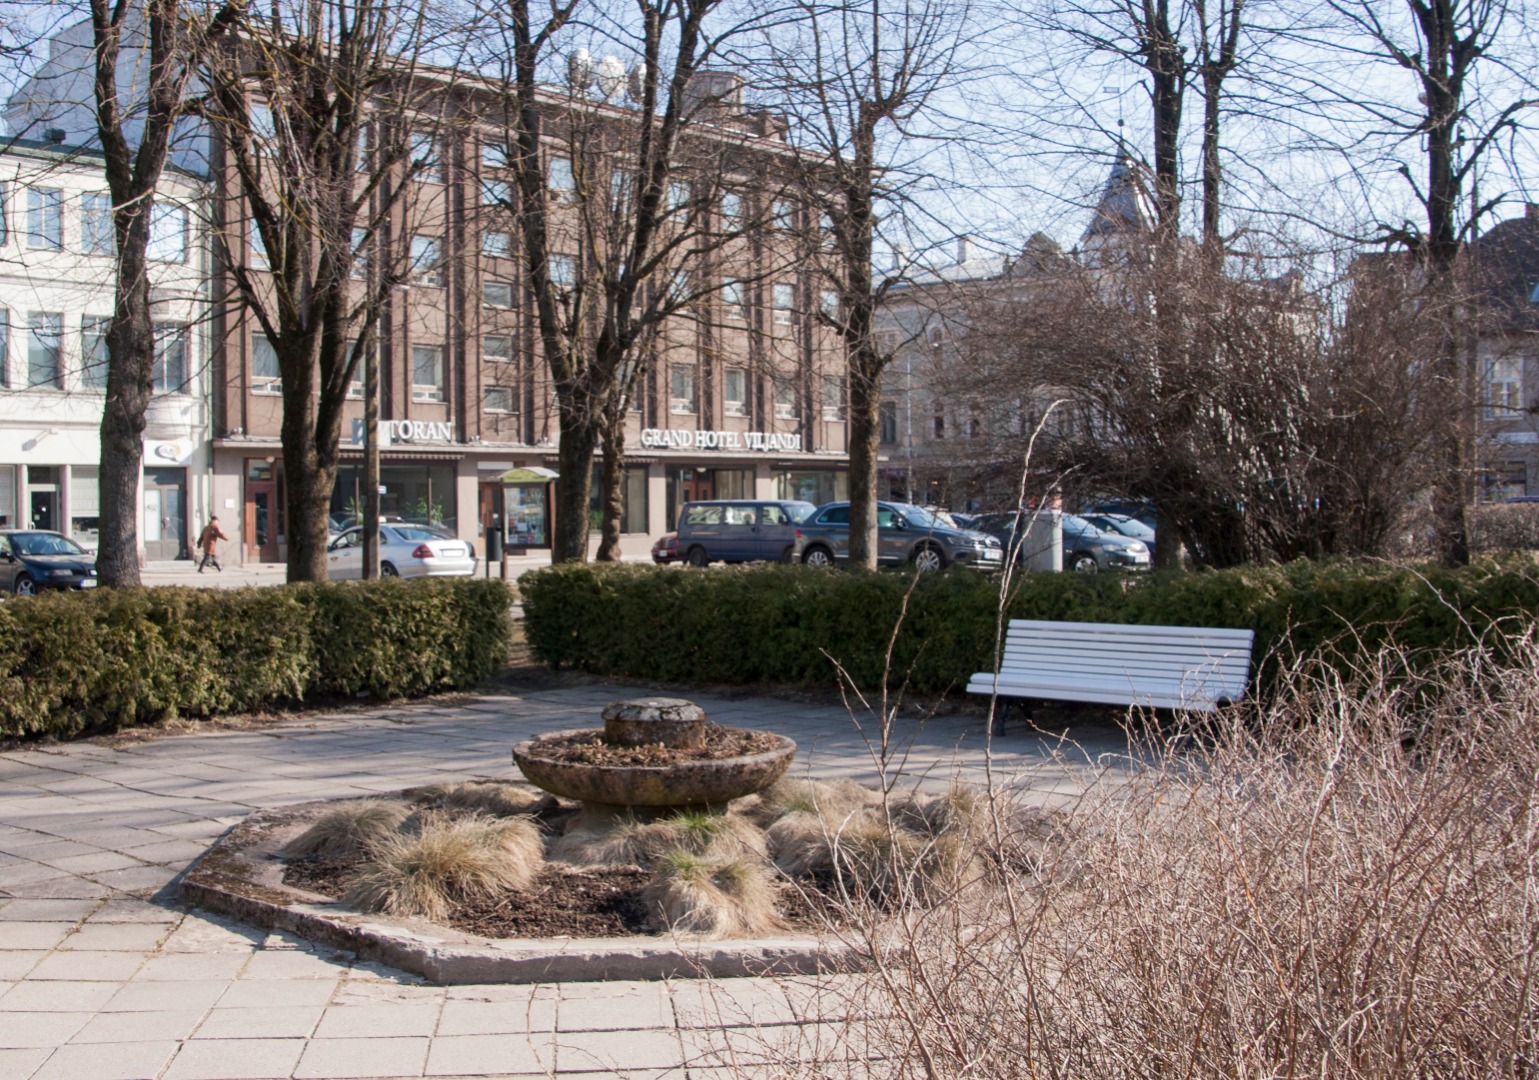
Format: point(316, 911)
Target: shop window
point(93, 352)
point(427, 373)
point(814, 485)
point(497, 294)
point(633, 499)
point(170, 358)
point(424, 158)
point(96, 233)
point(426, 261)
point(419, 493)
point(1504, 387)
point(888, 421)
point(497, 348)
point(44, 330)
point(168, 233)
point(266, 378)
point(735, 392)
point(734, 483)
point(833, 397)
point(784, 297)
point(45, 222)
point(500, 399)
point(85, 505)
point(785, 400)
point(681, 388)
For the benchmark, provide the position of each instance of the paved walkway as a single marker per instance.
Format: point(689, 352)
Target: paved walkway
point(104, 976)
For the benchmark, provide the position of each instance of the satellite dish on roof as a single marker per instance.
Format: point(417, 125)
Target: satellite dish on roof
point(611, 76)
point(579, 69)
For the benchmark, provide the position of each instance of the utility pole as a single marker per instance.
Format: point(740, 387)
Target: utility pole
point(370, 453)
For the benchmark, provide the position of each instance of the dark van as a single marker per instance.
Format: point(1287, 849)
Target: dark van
point(739, 530)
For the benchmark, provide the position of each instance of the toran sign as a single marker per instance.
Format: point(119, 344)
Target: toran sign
point(408, 431)
point(687, 439)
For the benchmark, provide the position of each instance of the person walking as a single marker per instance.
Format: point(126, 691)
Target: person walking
point(208, 541)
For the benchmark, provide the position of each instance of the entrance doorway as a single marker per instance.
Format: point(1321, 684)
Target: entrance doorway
point(688, 485)
point(165, 514)
point(262, 521)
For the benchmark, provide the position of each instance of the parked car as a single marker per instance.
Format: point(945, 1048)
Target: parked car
point(1086, 548)
point(405, 550)
point(1122, 525)
point(904, 534)
point(739, 530)
point(32, 560)
point(666, 550)
point(1133, 508)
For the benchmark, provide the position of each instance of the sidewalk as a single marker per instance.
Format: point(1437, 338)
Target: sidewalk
point(234, 576)
point(102, 977)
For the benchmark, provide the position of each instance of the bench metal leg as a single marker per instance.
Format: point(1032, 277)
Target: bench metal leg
point(1003, 707)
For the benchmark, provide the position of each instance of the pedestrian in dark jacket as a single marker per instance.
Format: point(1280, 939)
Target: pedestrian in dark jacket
point(208, 541)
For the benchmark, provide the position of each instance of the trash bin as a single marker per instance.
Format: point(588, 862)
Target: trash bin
point(494, 543)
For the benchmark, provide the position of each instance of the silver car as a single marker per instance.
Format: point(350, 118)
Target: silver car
point(405, 550)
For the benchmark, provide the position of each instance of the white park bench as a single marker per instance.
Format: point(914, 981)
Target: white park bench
point(1163, 667)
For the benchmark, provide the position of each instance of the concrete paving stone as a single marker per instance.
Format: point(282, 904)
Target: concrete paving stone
point(292, 965)
point(183, 967)
point(199, 933)
point(384, 992)
point(124, 1027)
point(48, 847)
point(168, 852)
point(107, 1061)
point(497, 1055)
point(497, 1017)
point(57, 996)
point(270, 1022)
point(277, 994)
point(15, 963)
point(502, 991)
point(164, 996)
point(730, 1003)
point(615, 1006)
point(21, 1064)
point(86, 965)
point(596, 1051)
point(340, 1059)
point(128, 909)
point(116, 937)
point(46, 911)
point(20, 1030)
point(68, 887)
point(236, 1059)
point(189, 828)
point(25, 873)
point(371, 1021)
point(137, 879)
point(33, 935)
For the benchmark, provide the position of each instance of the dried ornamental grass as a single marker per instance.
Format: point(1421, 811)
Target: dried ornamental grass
point(354, 828)
point(628, 842)
point(495, 797)
point(862, 858)
point(829, 799)
point(471, 858)
point(719, 898)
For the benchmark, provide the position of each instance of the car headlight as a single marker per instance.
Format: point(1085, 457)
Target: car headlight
point(1137, 547)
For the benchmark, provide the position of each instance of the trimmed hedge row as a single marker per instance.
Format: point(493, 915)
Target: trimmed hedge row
point(786, 624)
point(113, 658)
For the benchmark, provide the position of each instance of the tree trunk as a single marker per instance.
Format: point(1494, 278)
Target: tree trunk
point(306, 486)
point(864, 429)
point(614, 482)
point(130, 383)
point(579, 437)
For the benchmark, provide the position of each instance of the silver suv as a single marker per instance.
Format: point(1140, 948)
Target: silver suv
point(904, 534)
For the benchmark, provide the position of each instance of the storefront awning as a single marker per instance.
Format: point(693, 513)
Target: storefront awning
point(533, 474)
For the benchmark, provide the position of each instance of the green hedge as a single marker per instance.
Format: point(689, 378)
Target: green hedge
point(788, 624)
point(71, 662)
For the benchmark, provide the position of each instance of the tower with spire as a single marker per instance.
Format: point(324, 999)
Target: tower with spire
point(1122, 224)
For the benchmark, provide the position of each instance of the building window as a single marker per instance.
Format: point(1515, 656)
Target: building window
point(784, 303)
point(45, 229)
point(783, 215)
point(833, 397)
point(256, 248)
point(496, 194)
point(44, 329)
point(620, 188)
point(426, 261)
point(681, 388)
point(785, 400)
point(888, 423)
point(93, 352)
point(828, 304)
point(499, 399)
point(732, 298)
point(265, 375)
point(494, 155)
point(496, 245)
point(170, 358)
point(939, 421)
point(1504, 387)
point(563, 184)
point(5, 213)
point(974, 426)
point(427, 373)
point(731, 208)
point(563, 271)
point(886, 342)
point(356, 388)
point(5, 350)
point(497, 294)
point(96, 235)
point(424, 158)
point(360, 268)
point(678, 195)
point(497, 348)
point(735, 392)
point(633, 499)
point(168, 233)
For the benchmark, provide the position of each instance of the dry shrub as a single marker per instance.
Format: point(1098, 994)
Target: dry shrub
point(354, 828)
point(862, 857)
point(495, 797)
point(1340, 884)
point(831, 799)
point(718, 898)
point(446, 860)
point(627, 842)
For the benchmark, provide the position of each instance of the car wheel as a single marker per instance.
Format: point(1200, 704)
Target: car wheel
point(25, 586)
point(928, 558)
point(818, 556)
point(388, 570)
point(697, 557)
point(1083, 564)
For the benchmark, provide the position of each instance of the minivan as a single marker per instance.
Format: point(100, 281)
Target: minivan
point(739, 530)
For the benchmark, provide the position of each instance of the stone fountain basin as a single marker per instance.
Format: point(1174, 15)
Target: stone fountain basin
point(681, 784)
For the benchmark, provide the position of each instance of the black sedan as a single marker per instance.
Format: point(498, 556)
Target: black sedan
point(32, 560)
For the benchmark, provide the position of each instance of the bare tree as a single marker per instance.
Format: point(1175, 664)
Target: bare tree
point(316, 108)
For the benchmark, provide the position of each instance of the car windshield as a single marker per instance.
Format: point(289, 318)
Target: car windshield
point(419, 533)
point(920, 518)
point(798, 512)
point(44, 544)
point(1130, 527)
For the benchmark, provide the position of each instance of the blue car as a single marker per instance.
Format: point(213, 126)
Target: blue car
point(739, 530)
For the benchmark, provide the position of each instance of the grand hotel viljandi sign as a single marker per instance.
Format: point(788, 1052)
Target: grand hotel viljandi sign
point(688, 439)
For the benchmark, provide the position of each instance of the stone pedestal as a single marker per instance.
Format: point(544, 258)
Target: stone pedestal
point(658, 721)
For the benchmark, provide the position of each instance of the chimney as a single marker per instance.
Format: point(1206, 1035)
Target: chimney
point(54, 135)
point(964, 249)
